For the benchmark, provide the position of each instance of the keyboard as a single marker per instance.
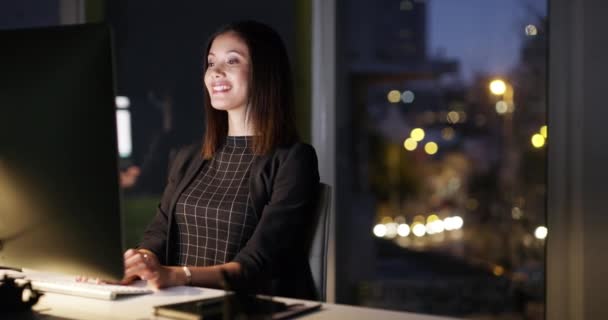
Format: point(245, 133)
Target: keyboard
point(84, 289)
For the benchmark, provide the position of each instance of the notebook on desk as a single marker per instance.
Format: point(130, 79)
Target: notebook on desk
point(232, 306)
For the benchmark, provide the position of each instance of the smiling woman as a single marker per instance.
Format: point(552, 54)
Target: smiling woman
point(247, 73)
point(240, 204)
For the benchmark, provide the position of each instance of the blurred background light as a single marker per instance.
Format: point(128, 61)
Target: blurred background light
point(431, 148)
point(418, 229)
point(538, 141)
point(417, 134)
point(407, 96)
point(403, 230)
point(531, 30)
point(498, 271)
point(541, 232)
point(447, 133)
point(391, 230)
point(410, 144)
point(122, 102)
point(498, 87)
point(123, 131)
point(394, 96)
point(453, 117)
point(380, 230)
point(502, 107)
point(543, 131)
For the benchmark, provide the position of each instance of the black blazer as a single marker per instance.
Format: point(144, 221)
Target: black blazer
point(284, 188)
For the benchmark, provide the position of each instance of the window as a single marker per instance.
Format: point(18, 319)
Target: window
point(441, 156)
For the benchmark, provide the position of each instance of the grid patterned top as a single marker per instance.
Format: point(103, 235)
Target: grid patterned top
point(213, 215)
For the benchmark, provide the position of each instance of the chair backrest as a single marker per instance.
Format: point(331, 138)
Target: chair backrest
point(318, 251)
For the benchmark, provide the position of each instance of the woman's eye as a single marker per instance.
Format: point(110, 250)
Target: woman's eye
point(233, 61)
point(210, 64)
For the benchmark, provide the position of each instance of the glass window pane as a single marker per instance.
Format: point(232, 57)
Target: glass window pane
point(441, 156)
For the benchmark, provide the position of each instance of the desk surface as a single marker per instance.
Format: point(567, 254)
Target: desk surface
point(141, 307)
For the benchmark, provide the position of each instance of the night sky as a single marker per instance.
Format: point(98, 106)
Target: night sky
point(484, 35)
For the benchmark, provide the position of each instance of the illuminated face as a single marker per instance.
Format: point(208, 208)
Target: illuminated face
point(228, 72)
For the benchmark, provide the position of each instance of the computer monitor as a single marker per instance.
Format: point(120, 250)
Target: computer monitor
point(59, 190)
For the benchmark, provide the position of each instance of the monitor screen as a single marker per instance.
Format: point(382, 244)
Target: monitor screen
point(59, 191)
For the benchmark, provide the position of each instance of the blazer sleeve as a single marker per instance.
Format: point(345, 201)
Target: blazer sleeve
point(285, 220)
point(156, 233)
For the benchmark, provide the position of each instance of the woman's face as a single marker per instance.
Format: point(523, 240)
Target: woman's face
point(228, 72)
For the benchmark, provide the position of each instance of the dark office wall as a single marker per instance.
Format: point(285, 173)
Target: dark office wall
point(578, 154)
point(29, 13)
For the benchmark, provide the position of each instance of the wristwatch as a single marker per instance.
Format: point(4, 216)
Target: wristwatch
point(188, 275)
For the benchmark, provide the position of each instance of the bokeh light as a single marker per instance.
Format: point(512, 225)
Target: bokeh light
point(543, 131)
point(394, 96)
point(417, 134)
point(498, 87)
point(407, 96)
point(502, 107)
point(431, 148)
point(541, 232)
point(410, 144)
point(538, 141)
point(380, 230)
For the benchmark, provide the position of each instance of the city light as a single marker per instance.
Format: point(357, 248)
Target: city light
point(417, 134)
point(453, 223)
point(458, 222)
point(418, 229)
point(391, 230)
point(394, 96)
point(516, 213)
point(447, 133)
point(403, 230)
point(410, 144)
point(502, 107)
point(543, 131)
point(407, 96)
point(380, 230)
point(541, 232)
point(431, 148)
point(538, 141)
point(435, 226)
point(498, 270)
point(531, 30)
point(498, 87)
point(453, 117)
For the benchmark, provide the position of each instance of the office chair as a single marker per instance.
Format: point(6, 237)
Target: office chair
point(318, 251)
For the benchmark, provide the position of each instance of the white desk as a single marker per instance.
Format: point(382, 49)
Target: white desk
point(141, 307)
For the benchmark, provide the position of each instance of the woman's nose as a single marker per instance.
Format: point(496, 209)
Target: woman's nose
point(217, 71)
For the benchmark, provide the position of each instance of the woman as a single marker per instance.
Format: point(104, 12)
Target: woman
point(243, 204)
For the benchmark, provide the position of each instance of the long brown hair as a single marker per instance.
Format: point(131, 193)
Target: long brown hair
point(271, 98)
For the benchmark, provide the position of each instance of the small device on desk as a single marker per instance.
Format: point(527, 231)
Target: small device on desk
point(233, 306)
point(59, 186)
point(237, 304)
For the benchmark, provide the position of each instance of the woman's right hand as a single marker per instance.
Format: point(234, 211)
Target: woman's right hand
point(143, 264)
